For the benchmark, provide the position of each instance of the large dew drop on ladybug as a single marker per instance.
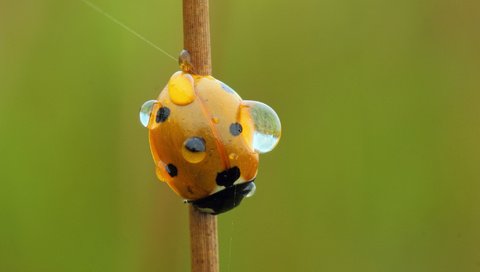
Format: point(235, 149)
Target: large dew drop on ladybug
point(267, 128)
point(181, 89)
point(146, 112)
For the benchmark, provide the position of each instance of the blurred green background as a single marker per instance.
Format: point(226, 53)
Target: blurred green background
point(378, 168)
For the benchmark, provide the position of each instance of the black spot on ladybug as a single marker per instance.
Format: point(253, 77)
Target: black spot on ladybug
point(162, 114)
point(195, 144)
point(236, 129)
point(228, 177)
point(171, 170)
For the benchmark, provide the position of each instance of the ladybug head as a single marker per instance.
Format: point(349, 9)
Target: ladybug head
point(225, 199)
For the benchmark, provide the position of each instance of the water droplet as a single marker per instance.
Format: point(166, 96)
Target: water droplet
point(215, 120)
point(233, 156)
point(146, 112)
point(252, 188)
point(180, 89)
point(267, 126)
point(193, 150)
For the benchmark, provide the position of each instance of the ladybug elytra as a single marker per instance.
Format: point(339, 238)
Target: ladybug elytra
point(205, 139)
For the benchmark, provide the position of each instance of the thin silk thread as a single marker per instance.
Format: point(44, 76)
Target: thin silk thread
point(116, 21)
point(231, 234)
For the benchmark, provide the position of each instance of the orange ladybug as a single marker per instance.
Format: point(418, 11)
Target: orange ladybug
point(205, 139)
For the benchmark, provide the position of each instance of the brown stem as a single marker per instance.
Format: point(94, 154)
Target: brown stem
point(203, 227)
point(196, 35)
point(203, 239)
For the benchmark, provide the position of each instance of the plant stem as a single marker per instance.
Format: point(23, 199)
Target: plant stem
point(203, 227)
point(196, 35)
point(203, 239)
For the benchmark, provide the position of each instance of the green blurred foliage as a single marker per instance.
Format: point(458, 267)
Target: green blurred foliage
point(378, 168)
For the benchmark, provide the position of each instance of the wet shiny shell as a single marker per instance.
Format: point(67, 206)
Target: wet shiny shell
point(209, 117)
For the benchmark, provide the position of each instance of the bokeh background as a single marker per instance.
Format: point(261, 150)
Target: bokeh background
point(378, 168)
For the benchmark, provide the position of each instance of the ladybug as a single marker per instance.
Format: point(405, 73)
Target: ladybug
point(205, 140)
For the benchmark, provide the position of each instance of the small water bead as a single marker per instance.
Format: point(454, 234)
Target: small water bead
point(146, 112)
point(193, 157)
point(267, 126)
point(195, 144)
point(194, 150)
point(215, 120)
point(233, 156)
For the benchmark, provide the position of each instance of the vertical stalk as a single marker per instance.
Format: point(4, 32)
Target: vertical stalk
point(196, 35)
point(203, 239)
point(203, 227)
